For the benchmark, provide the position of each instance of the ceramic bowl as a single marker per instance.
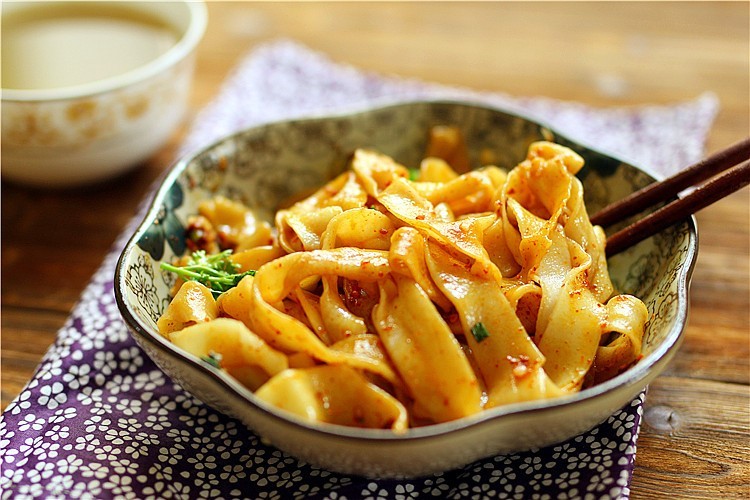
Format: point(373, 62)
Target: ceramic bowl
point(86, 132)
point(264, 165)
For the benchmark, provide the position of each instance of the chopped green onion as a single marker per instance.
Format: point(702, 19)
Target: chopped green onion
point(479, 331)
point(213, 359)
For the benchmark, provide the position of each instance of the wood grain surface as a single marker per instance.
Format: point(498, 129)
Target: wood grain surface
point(695, 442)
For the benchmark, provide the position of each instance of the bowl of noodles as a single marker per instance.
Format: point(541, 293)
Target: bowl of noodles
point(403, 290)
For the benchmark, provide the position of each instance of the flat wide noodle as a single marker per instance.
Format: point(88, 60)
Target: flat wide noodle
point(425, 352)
point(193, 303)
point(395, 297)
point(574, 320)
point(336, 395)
point(234, 348)
point(510, 363)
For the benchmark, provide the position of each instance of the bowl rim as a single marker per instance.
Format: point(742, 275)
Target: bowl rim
point(188, 39)
point(634, 376)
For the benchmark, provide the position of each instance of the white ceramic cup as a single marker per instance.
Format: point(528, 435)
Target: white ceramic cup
point(90, 131)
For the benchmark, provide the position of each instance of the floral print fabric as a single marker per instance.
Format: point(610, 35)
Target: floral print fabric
point(100, 420)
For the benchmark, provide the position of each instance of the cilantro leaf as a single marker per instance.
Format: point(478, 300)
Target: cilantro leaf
point(217, 272)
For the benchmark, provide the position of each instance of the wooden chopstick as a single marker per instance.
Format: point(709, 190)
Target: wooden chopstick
point(730, 180)
point(659, 191)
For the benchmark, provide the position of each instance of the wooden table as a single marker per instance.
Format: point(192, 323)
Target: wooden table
point(695, 441)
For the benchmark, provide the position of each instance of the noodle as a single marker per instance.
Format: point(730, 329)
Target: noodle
point(393, 298)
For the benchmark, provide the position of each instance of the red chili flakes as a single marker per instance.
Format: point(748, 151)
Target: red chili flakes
point(200, 234)
point(354, 294)
point(420, 217)
point(358, 415)
point(383, 230)
point(225, 238)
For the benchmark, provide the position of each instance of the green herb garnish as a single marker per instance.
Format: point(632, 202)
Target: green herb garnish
point(213, 359)
point(414, 174)
point(217, 272)
point(479, 331)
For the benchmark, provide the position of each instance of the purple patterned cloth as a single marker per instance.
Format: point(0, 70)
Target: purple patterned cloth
point(100, 420)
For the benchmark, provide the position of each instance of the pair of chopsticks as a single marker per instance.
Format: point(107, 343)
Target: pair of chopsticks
point(733, 166)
